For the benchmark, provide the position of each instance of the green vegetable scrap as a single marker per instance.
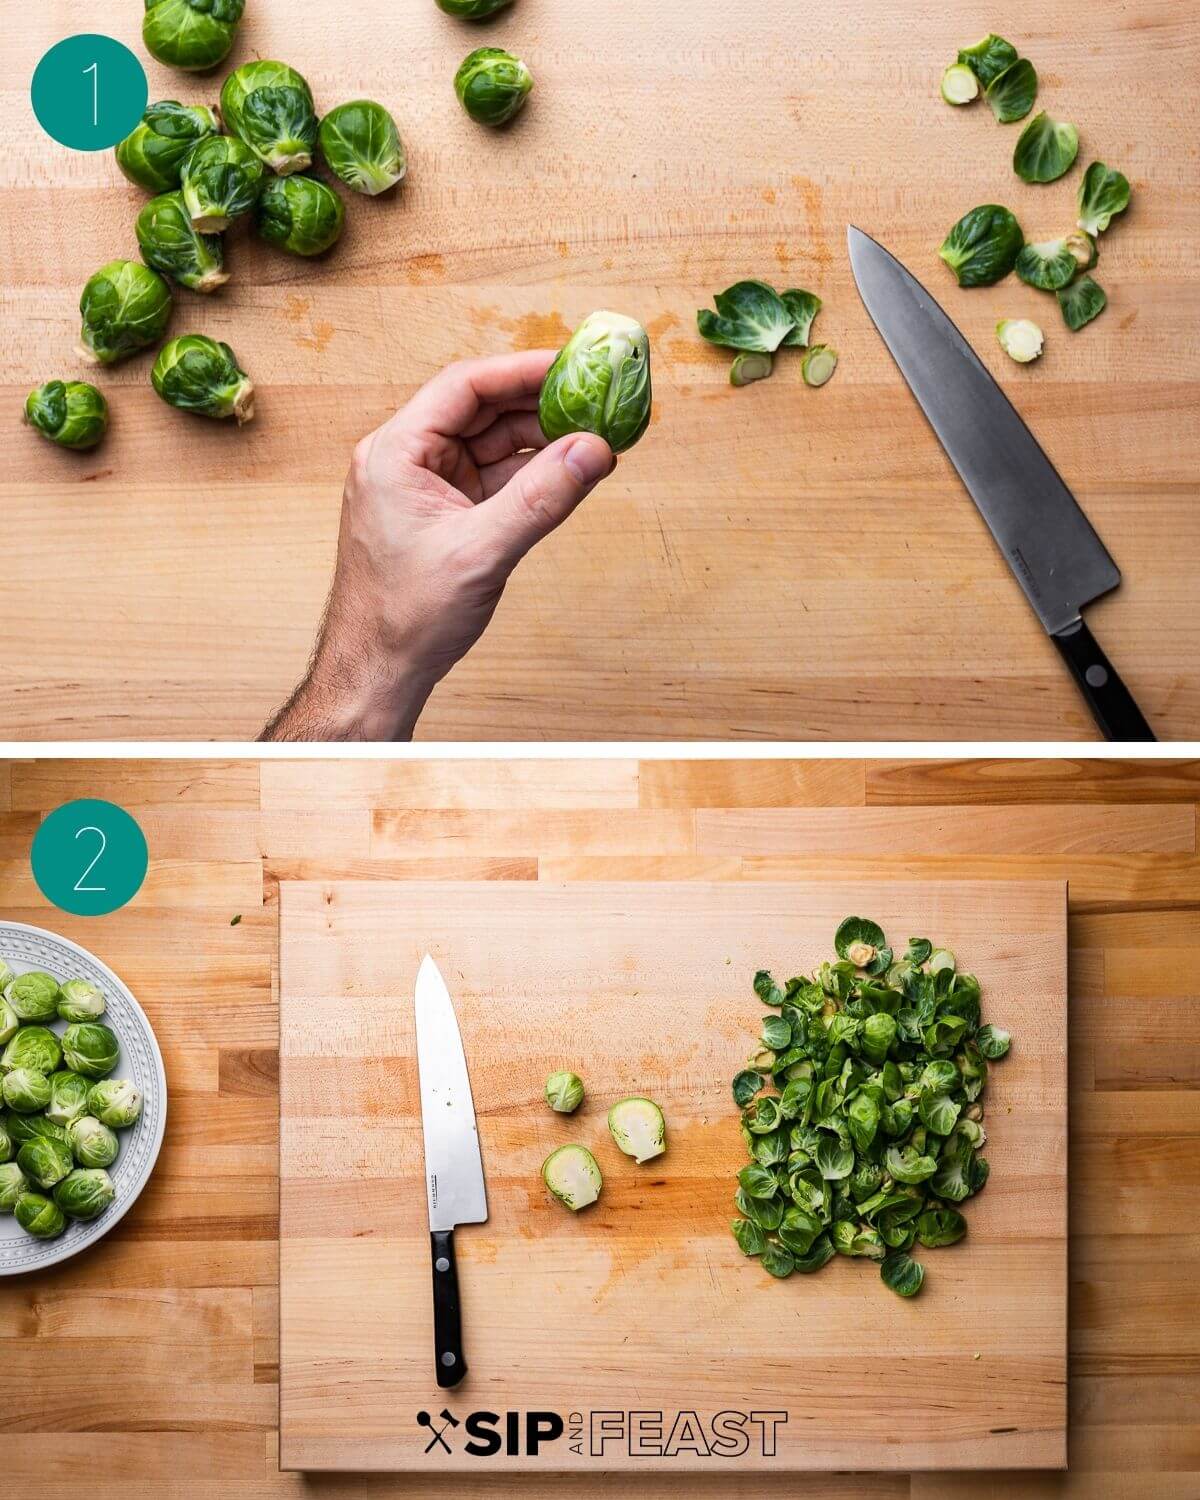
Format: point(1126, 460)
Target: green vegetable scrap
point(753, 317)
point(1020, 338)
point(1045, 149)
point(1048, 265)
point(70, 413)
point(861, 1111)
point(1080, 302)
point(600, 383)
point(1103, 194)
point(959, 84)
point(988, 58)
point(472, 10)
point(492, 85)
point(1011, 94)
point(983, 246)
point(194, 35)
point(747, 368)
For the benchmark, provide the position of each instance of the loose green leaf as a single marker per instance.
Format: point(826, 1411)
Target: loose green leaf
point(993, 1041)
point(1047, 265)
point(988, 57)
point(902, 1274)
point(983, 246)
point(750, 315)
point(750, 1237)
point(1080, 302)
point(1045, 149)
point(1103, 194)
point(1011, 94)
point(802, 308)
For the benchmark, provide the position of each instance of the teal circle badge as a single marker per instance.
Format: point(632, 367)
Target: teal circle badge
point(89, 857)
point(89, 92)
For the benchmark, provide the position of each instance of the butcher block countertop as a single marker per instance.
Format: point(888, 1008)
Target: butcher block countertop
point(151, 1365)
point(768, 562)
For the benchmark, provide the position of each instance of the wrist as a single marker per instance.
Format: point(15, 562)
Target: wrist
point(367, 697)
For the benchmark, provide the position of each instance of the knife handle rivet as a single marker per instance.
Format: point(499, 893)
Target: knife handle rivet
point(1095, 677)
point(449, 1359)
point(441, 1264)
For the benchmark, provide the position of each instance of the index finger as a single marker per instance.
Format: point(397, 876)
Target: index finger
point(453, 399)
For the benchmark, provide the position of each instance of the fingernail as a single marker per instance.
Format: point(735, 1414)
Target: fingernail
point(588, 462)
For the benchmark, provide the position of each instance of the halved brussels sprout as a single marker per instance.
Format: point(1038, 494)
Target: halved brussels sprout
point(80, 1000)
point(270, 107)
point(572, 1176)
point(152, 154)
point(44, 1161)
point(39, 1217)
point(1011, 94)
point(34, 996)
point(221, 179)
point(199, 374)
point(93, 1144)
point(90, 1048)
point(1046, 265)
point(638, 1127)
point(26, 1091)
point(1080, 302)
point(10, 1022)
point(818, 364)
point(362, 147)
point(34, 1047)
point(115, 1102)
point(84, 1194)
point(70, 413)
point(68, 1096)
point(194, 35)
point(1045, 150)
point(982, 247)
point(472, 10)
point(564, 1092)
point(1103, 194)
point(13, 1183)
point(126, 307)
point(600, 383)
point(300, 215)
point(1020, 338)
point(492, 85)
point(171, 243)
point(959, 84)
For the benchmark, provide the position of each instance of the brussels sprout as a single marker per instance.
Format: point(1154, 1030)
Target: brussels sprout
point(1045, 150)
point(34, 1047)
point(362, 147)
point(988, 57)
point(221, 179)
point(959, 84)
point(747, 368)
point(300, 215)
point(993, 1041)
point(39, 1217)
point(80, 1000)
point(572, 1176)
point(638, 1127)
point(194, 35)
point(13, 1183)
point(1046, 265)
point(153, 153)
point(126, 307)
point(564, 1092)
point(983, 246)
point(34, 996)
point(1020, 338)
point(7, 973)
point(171, 243)
point(600, 383)
point(68, 1096)
point(472, 10)
point(1103, 194)
point(198, 374)
point(492, 85)
point(84, 1194)
point(6, 1144)
point(1082, 301)
point(70, 413)
point(750, 315)
point(92, 1143)
point(10, 1022)
point(44, 1161)
point(115, 1102)
point(26, 1091)
point(1011, 93)
point(902, 1274)
point(90, 1048)
point(818, 364)
point(270, 107)
point(22, 1128)
point(1084, 248)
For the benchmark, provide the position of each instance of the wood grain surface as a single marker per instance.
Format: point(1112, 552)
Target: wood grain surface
point(644, 1303)
point(770, 562)
point(178, 1308)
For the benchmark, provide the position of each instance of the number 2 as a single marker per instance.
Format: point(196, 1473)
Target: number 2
point(96, 858)
point(94, 70)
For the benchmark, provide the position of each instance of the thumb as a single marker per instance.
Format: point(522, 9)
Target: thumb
point(540, 497)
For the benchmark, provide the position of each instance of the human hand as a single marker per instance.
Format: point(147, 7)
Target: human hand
point(440, 505)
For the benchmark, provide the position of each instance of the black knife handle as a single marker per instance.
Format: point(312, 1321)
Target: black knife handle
point(1109, 699)
point(447, 1321)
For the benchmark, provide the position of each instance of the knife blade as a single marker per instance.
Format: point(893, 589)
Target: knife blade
point(1048, 542)
point(454, 1184)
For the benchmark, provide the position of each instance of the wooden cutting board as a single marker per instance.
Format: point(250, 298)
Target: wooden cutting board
point(637, 1322)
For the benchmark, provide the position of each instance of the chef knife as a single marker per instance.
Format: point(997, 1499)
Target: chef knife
point(1047, 540)
point(453, 1166)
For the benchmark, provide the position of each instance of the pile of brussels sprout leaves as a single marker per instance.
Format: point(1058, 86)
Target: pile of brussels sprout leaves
point(208, 170)
point(754, 318)
point(862, 1109)
point(62, 1110)
point(987, 242)
point(571, 1172)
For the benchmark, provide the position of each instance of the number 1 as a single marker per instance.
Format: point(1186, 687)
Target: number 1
point(94, 70)
point(79, 885)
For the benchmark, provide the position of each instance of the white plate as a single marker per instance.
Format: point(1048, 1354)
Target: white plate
point(23, 948)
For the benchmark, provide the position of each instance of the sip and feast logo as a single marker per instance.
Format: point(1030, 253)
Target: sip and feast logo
point(602, 1434)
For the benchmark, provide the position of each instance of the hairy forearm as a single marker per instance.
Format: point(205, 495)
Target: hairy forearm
point(344, 698)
